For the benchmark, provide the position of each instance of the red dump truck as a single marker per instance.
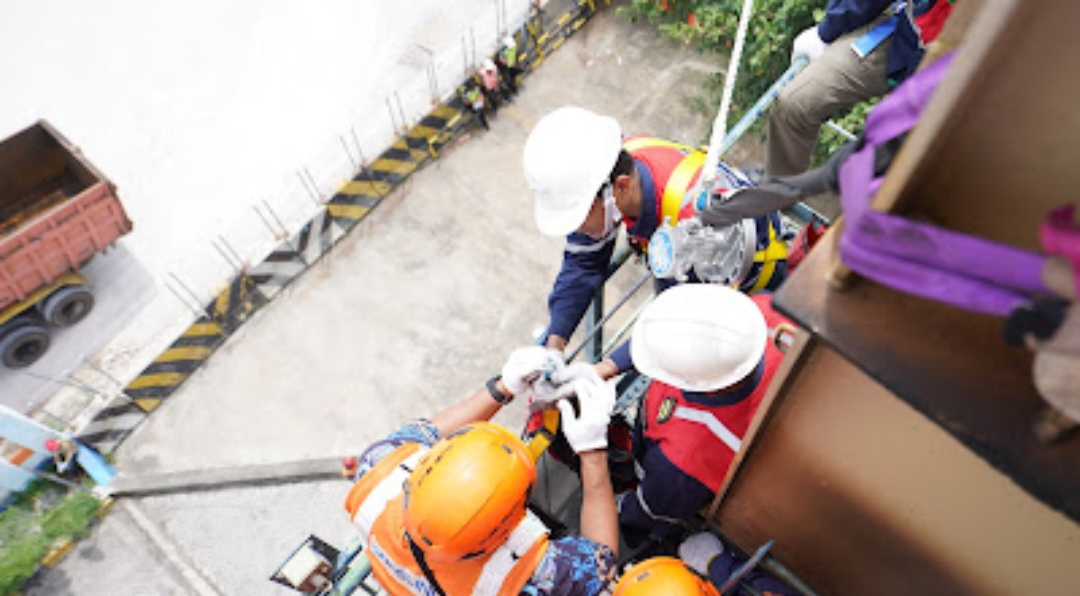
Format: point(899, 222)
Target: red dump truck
point(56, 212)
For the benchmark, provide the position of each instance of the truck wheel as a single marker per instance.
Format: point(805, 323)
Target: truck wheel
point(67, 306)
point(22, 345)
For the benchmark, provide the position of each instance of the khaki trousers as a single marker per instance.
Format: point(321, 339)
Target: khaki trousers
point(828, 86)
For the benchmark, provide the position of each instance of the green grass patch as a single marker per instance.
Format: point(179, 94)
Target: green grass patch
point(41, 517)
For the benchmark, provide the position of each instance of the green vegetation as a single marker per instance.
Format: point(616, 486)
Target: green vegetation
point(43, 516)
point(711, 26)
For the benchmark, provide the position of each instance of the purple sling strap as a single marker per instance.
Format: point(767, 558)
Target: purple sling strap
point(964, 271)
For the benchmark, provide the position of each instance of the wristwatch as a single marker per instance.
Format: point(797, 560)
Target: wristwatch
point(497, 395)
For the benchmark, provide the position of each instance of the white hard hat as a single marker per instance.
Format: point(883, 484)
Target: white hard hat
point(568, 156)
point(699, 337)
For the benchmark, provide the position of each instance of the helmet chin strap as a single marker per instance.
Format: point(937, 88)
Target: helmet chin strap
point(418, 555)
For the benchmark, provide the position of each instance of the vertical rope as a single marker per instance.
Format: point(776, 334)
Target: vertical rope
point(712, 158)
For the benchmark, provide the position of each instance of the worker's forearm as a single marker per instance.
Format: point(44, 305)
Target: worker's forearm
point(599, 517)
point(475, 408)
point(555, 342)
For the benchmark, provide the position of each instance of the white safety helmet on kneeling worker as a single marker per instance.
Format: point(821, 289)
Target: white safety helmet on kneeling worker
point(699, 337)
point(568, 156)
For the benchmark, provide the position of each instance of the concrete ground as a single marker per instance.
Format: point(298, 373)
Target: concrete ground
point(412, 311)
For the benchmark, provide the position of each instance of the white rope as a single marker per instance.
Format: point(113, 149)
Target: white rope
point(719, 129)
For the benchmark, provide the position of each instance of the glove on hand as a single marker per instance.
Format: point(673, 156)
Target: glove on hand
point(545, 391)
point(588, 430)
point(526, 366)
point(809, 44)
point(698, 550)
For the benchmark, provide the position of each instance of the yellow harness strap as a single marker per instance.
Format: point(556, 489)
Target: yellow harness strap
point(542, 438)
point(679, 181)
point(775, 251)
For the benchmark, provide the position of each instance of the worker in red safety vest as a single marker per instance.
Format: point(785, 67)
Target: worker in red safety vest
point(586, 180)
point(708, 350)
point(442, 503)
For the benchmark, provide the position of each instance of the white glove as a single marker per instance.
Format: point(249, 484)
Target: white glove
point(808, 43)
point(698, 550)
point(565, 377)
point(588, 430)
point(526, 366)
point(546, 391)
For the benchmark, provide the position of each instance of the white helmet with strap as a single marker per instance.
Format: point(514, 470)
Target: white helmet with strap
point(699, 337)
point(568, 156)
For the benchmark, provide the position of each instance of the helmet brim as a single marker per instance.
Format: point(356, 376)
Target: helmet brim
point(560, 222)
point(567, 158)
point(649, 363)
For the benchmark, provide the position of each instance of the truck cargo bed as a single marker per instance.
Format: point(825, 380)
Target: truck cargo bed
point(56, 211)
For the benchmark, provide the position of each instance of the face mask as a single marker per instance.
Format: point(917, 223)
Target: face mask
point(612, 215)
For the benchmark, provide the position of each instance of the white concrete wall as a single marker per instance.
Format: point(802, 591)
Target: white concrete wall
point(200, 110)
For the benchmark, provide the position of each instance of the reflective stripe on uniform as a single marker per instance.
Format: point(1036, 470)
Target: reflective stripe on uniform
point(390, 487)
point(711, 422)
point(497, 569)
point(594, 246)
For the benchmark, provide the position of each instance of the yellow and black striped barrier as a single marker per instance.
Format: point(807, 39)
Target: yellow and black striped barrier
point(176, 364)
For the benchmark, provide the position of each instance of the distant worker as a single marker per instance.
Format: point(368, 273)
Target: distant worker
point(474, 99)
point(442, 503)
point(489, 80)
point(507, 63)
point(859, 51)
point(586, 180)
point(709, 353)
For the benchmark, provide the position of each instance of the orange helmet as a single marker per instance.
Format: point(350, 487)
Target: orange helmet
point(468, 492)
point(663, 576)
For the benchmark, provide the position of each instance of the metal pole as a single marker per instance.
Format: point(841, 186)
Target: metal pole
point(356, 143)
point(190, 293)
point(404, 120)
point(221, 251)
point(472, 39)
point(467, 67)
point(594, 328)
point(284, 230)
point(393, 118)
point(600, 324)
point(759, 106)
point(314, 186)
point(840, 130)
point(275, 233)
point(433, 83)
point(236, 255)
point(352, 159)
point(196, 311)
point(311, 195)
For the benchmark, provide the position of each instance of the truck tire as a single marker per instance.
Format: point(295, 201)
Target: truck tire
point(67, 306)
point(21, 345)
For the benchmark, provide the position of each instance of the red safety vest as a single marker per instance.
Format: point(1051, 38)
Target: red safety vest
point(375, 507)
point(702, 440)
point(674, 169)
